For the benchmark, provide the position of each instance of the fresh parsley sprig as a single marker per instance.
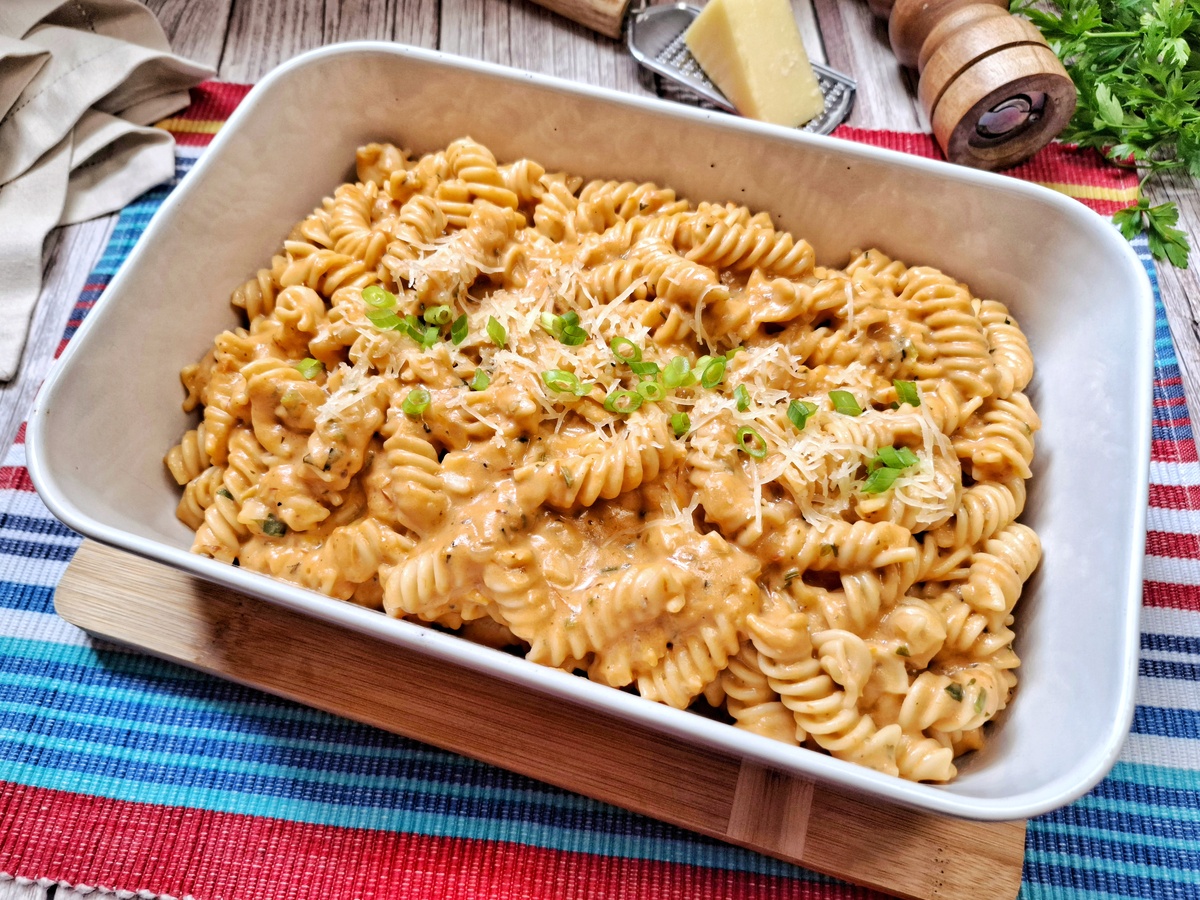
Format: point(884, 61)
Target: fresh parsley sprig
point(1136, 65)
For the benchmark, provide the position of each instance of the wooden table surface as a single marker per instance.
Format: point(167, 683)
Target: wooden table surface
point(244, 39)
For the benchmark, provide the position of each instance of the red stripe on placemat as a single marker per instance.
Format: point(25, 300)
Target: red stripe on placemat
point(214, 100)
point(15, 478)
point(179, 851)
point(1173, 451)
point(1174, 496)
point(1169, 543)
point(1171, 596)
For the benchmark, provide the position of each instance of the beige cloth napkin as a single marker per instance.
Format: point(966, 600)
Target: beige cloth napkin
point(79, 83)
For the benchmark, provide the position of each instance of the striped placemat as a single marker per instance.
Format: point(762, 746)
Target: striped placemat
point(122, 772)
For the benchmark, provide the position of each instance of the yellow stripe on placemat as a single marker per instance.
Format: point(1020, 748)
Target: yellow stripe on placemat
point(191, 126)
point(1092, 192)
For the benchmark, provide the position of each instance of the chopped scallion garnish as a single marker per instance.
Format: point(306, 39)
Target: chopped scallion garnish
point(625, 350)
point(385, 320)
point(844, 402)
point(497, 332)
point(880, 480)
point(310, 368)
point(416, 402)
point(438, 315)
point(479, 381)
point(272, 527)
point(623, 402)
point(562, 381)
point(572, 335)
point(224, 492)
point(798, 412)
point(714, 372)
point(374, 295)
point(652, 391)
point(730, 354)
point(676, 372)
point(954, 689)
point(458, 331)
point(896, 457)
point(681, 424)
point(906, 392)
point(980, 702)
point(902, 650)
point(644, 369)
point(742, 396)
point(751, 442)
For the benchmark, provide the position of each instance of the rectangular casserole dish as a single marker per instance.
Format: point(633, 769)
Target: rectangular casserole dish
point(111, 409)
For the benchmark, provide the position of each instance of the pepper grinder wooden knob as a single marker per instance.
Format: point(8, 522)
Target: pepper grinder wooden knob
point(994, 91)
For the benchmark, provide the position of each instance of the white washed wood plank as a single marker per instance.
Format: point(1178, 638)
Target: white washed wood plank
point(359, 20)
point(417, 23)
point(1180, 288)
point(195, 28)
point(264, 33)
point(69, 257)
point(519, 34)
point(856, 43)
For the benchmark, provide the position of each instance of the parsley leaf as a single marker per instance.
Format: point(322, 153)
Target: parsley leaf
point(1134, 63)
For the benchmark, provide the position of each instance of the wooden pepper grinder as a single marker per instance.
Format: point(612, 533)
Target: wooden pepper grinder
point(994, 91)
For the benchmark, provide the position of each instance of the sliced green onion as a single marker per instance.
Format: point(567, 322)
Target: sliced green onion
point(652, 391)
point(752, 442)
point(551, 323)
point(890, 457)
point(416, 402)
point(676, 372)
point(374, 295)
point(438, 315)
point(893, 458)
point(431, 336)
point(906, 392)
point(844, 402)
point(310, 368)
point(798, 412)
point(954, 689)
point(224, 492)
point(625, 350)
point(644, 369)
point(458, 331)
point(570, 317)
point(497, 332)
point(411, 326)
point(479, 381)
point(730, 354)
point(902, 650)
point(272, 527)
point(791, 576)
point(572, 335)
point(742, 396)
point(981, 702)
point(623, 402)
point(562, 381)
point(681, 424)
point(714, 372)
point(385, 319)
point(880, 480)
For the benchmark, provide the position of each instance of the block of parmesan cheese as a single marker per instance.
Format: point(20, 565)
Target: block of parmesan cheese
point(751, 50)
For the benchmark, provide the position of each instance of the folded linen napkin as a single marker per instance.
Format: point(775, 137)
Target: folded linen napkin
point(79, 81)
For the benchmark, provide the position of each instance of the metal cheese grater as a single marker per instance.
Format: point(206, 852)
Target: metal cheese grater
point(655, 36)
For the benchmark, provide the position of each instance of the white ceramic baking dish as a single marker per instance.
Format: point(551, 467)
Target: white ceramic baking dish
point(112, 407)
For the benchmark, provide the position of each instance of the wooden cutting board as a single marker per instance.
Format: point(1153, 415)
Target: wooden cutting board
point(144, 604)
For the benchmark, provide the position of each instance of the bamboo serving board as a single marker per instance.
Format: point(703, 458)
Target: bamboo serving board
point(144, 604)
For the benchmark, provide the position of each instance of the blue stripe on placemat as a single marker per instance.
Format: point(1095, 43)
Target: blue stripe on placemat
point(122, 725)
